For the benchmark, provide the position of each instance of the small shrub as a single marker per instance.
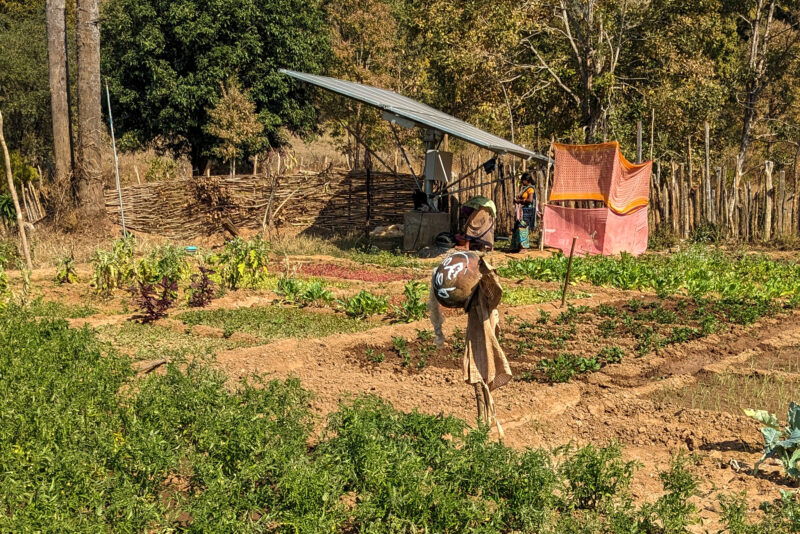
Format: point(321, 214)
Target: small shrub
point(201, 288)
point(154, 301)
point(566, 365)
point(673, 511)
point(113, 268)
point(167, 261)
point(414, 307)
point(244, 263)
point(594, 475)
point(363, 305)
point(65, 271)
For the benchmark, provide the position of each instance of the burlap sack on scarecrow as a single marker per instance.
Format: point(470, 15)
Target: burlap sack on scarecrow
point(485, 363)
point(465, 280)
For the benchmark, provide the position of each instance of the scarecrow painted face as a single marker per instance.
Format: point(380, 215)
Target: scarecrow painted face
point(455, 279)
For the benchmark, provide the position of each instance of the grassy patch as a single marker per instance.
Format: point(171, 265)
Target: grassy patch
point(144, 341)
point(522, 296)
point(273, 322)
point(728, 392)
point(60, 310)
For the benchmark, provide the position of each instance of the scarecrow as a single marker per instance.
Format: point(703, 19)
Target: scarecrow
point(466, 280)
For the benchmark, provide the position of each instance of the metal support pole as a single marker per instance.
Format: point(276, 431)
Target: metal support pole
point(116, 163)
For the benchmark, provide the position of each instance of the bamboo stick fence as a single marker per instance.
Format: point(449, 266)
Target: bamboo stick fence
point(331, 200)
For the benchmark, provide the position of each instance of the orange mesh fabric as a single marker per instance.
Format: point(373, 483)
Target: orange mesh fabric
point(600, 172)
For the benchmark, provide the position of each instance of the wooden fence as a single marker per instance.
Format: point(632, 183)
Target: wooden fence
point(331, 201)
point(763, 208)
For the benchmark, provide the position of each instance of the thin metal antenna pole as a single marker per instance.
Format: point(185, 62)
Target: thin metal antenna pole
point(116, 162)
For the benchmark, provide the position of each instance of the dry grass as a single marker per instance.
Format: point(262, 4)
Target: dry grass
point(728, 392)
point(784, 359)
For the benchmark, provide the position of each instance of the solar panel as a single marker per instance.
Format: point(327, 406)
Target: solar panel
point(416, 112)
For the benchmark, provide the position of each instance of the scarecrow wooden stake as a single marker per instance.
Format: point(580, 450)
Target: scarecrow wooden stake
point(466, 280)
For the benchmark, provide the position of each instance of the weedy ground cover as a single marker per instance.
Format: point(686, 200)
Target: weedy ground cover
point(57, 309)
point(144, 341)
point(523, 296)
point(273, 322)
point(697, 271)
point(109, 451)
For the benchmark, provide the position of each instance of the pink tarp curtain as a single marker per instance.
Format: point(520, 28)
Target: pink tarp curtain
point(600, 172)
point(599, 230)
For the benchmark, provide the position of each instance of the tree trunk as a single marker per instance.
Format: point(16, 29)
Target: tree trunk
point(89, 183)
point(57, 57)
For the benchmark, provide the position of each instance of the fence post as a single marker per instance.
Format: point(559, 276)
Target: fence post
point(639, 141)
point(569, 271)
point(768, 196)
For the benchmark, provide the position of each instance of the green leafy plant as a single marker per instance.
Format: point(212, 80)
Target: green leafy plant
point(566, 366)
point(201, 289)
point(373, 356)
point(65, 271)
point(244, 263)
point(543, 317)
point(400, 345)
point(593, 475)
point(290, 289)
point(113, 268)
point(301, 292)
point(414, 307)
point(781, 443)
point(167, 261)
point(363, 304)
point(607, 327)
point(610, 355)
point(604, 310)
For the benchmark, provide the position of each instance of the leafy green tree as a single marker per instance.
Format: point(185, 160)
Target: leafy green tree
point(165, 61)
point(24, 89)
point(234, 122)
